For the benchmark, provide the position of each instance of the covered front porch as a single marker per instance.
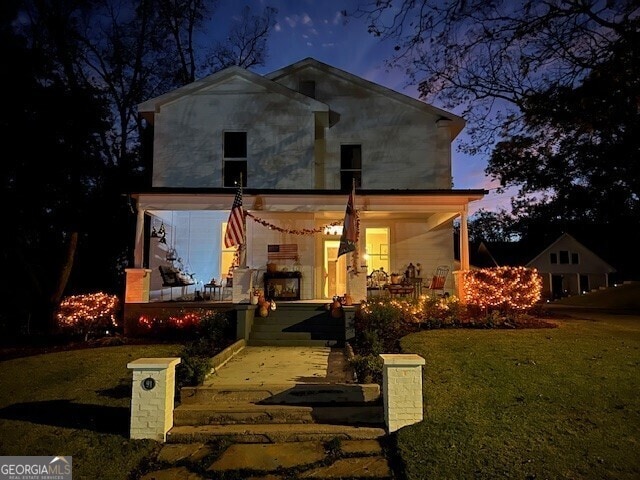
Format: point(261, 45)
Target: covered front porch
point(396, 229)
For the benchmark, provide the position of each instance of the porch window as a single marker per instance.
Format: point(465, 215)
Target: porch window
point(350, 166)
point(226, 254)
point(377, 242)
point(234, 155)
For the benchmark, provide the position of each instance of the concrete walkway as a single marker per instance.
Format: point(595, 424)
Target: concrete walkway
point(283, 366)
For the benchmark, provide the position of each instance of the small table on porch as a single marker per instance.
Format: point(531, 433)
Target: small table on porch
point(400, 290)
point(215, 290)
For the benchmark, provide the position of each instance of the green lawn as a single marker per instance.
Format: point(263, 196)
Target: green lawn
point(75, 403)
point(528, 404)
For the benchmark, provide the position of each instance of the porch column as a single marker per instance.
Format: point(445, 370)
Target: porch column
point(138, 247)
point(464, 239)
point(578, 284)
point(464, 251)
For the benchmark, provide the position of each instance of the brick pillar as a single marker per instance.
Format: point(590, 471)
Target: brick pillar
point(137, 285)
point(152, 397)
point(402, 390)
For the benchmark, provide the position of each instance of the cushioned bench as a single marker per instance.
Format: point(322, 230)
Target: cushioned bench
point(173, 277)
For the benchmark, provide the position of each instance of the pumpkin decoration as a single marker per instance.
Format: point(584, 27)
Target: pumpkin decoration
point(263, 311)
point(336, 309)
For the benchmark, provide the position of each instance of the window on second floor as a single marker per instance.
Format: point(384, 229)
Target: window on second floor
point(575, 259)
point(564, 257)
point(350, 166)
point(553, 258)
point(234, 156)
point(308, 88)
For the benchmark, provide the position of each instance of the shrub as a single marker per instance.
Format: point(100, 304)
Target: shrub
point(380, 325)
point(88, 315)
point(210, 334)
point(507, 289)
point(368, 368)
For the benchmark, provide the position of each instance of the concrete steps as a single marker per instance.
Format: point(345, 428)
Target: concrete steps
point(272, 433)
point(231, 414)
point(304, 393)
point(278, 413)
point(298, 325)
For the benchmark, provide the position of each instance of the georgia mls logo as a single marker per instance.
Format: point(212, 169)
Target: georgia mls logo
point(62, 462)
point(35, 468)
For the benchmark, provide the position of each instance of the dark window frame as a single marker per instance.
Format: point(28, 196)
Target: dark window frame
point(350, 165)
point(234, 157)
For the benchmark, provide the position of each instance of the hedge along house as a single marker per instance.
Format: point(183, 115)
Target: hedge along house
point(298, 137)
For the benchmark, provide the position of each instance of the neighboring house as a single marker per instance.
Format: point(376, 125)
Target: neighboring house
point(298, 137)
point(567, 266)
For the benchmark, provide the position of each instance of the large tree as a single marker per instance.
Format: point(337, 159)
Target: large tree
point(484, 59)
point(81, 67)
point(578, 152)
point(550, 90)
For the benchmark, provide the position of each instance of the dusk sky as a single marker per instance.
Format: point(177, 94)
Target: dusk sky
point(315, 28)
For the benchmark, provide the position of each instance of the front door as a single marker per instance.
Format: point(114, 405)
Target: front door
point(335, 282)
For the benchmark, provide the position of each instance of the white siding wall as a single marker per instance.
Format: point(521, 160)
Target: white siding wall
point(412, 242)
point(401, 145)
point(189, 133)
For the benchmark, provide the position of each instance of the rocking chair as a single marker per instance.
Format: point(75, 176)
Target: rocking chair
point(439, 279)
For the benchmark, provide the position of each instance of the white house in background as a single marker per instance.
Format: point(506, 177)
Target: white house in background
point(568, 267)
point(299, 136)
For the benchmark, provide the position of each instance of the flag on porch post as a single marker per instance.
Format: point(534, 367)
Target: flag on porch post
point(350, 229)
point(234, 235)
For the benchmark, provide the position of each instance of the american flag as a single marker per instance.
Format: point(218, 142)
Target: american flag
point(287, 251)
point(350, 229)
point(235, 227)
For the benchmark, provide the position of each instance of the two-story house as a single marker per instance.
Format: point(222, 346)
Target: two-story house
point(298, 138)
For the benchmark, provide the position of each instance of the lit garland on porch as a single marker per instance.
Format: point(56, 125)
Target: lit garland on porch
point(355, 258)
point(304, 231)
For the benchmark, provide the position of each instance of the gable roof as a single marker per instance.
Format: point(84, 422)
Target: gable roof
point(457, 123)
point(149, 107)
point(564, 239)
point(485, 254)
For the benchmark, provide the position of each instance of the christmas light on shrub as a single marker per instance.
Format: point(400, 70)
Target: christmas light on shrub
point(511, 288)
point(85, 313)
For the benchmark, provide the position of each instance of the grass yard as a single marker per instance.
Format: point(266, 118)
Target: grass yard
point(559, 403)
point(75, 403)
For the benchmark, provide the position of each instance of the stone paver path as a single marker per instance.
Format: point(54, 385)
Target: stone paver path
point(353, 459)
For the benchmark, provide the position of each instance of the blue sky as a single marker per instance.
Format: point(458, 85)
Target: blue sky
point(315, 28)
